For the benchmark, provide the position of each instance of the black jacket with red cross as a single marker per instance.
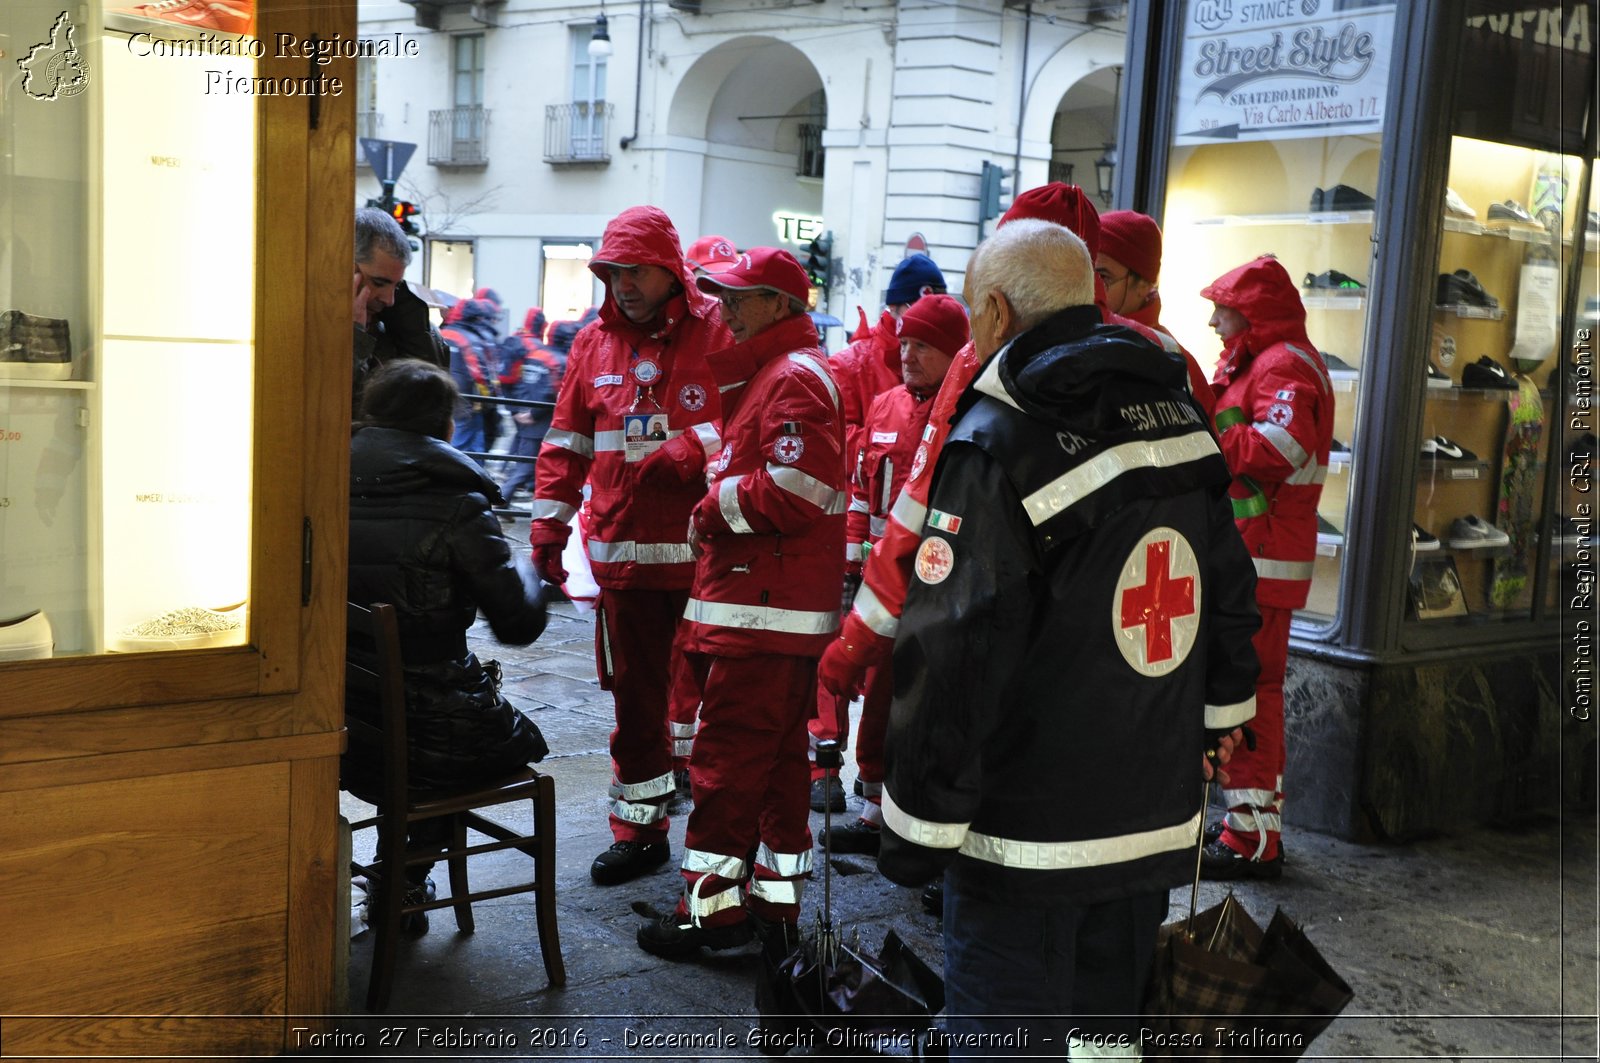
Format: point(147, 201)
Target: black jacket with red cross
point(1080, 616)
point(772, 558)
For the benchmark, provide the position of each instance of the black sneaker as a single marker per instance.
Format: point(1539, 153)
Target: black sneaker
point(1343, 197)
point(1510, 211)
point(1338, 452)
point(1422, 541)
point(1441, 449)
point(1487, 373)
point(1332, 280)
point(1219, 863)
point(1461, 288)
point(827, 795)
point(675, 937)
point(933, 899)
point(1338, 368)
point(628, 860)
point(1328, 532)
point(1437, 379)
point(858, 837)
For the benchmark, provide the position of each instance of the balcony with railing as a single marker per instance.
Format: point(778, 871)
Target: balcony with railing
point(578, 134)
point(459, 137)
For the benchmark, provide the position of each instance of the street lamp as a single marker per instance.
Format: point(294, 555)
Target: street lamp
point(599, 48)
point(1105, 168)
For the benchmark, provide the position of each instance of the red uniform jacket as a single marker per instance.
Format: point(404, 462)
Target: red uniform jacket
point(865, 369)
point(773, 523)
point(889, 441)
point(1274, 419)
point(638, 533)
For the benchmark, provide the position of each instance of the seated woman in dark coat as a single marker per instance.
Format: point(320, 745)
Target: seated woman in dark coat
point(424, 540)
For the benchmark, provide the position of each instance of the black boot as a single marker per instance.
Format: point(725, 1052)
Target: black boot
point(675, 937)
point(628, 860)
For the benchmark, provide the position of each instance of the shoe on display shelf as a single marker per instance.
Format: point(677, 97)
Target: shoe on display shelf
point(26, 637)
point(1438, 379)
point(1441, 449)
point(1332, 281)
point(1472, 532)
point(1422, 540)
point(224, 16)
point(1328, 533)
point(1341, 198)
point(1455, 205)
point(1338, 451)
point(1461, 288)
point(1510, 214)
point(1338, 368)
point(34, 347)
point(188, 628)
point(1487, 373)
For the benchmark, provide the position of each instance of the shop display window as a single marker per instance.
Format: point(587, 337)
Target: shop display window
point(1277, 128)
point(127, 329)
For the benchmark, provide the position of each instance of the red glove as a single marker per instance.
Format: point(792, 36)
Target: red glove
point(549, 538)
point(675, 463)
point(841, 672)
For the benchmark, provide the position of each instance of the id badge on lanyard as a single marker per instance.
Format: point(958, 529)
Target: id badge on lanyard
point(644, 426)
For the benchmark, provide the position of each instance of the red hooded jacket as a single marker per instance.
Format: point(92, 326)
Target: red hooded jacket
point(865, 369)
point(1274, 420)
point(638, 532)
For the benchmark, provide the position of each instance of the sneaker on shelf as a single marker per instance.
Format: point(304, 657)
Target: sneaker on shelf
point(1338, 452)
point(1341, 198)
point(827, 795)
point(1461, 288)
point(1316, 200)
point(1441, 449)
point(1438, 379)
point(26, 636)
point(1472, 532)
point(1332, 281)
point(857, 837)
point(1487, 373)
point(1338, 368)
point(628, 860)
point(1456, 206)
point(1422, 540)
point(1510, 214)
point(226, 16)
point(1328, 533)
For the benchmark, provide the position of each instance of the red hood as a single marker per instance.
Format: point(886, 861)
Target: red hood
point(1264, 293)
point(645, 236)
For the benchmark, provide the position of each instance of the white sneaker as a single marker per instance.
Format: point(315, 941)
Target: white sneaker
point(1473, 533)
point(1454, 204)
point(27, 637)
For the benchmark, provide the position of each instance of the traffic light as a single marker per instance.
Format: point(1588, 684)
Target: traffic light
point(819, 260)
point(991, 184)
point(402, 211)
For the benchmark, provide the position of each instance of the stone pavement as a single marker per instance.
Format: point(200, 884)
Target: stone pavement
point(1480, 945)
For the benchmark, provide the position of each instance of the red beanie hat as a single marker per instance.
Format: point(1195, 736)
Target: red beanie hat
point(940, 321)
point(1133, 239)
point(1063, 204)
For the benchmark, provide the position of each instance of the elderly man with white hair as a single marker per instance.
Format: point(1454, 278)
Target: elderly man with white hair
point(1077, 632)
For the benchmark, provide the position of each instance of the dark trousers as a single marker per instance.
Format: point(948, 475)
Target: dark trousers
point(1050, 970)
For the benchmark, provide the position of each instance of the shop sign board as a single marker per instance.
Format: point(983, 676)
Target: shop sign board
point(1282, 69)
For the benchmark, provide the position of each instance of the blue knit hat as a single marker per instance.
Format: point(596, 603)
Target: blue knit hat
point(910, 277)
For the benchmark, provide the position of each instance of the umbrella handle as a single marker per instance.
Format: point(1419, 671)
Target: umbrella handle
point(829, 759)
point(1199, 854)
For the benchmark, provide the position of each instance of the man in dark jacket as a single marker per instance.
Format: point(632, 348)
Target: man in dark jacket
point(1078, 626)
point(390, 320)
point(470, 333)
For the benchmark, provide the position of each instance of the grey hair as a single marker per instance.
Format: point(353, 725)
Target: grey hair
point(377, 231)
point(1040, 267)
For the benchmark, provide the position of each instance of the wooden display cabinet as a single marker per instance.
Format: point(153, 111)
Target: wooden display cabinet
point(170, 864)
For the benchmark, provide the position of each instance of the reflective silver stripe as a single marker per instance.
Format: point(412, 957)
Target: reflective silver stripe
point(1233, 798)
point(784, 865)
point(808, 487)
point(682, 747)
point(821, 374)
point(728, 867)
point(909, 512)
point(1253, 821)
point(923, 832)
point(1320, 370)
point(550, 509)
point(873, 614)
point(1267, 568)
point(876, 526)
point(725, 388)
point(872, 791)
point(578, 444)
point(700, 907)
point(1227, 717)
point(1074, 486)
point(1091, 852)
point(872, 812)
point(777, 890)
point(1284, 443)
point(762, 618)
point(660, 786)
point(728, 502)
point(681, 730)
point(626, 550)
point(633, 812)
point(859, 505)
point(855, 551)
point(610, 440)
point(1308, 474)
point(709, 438)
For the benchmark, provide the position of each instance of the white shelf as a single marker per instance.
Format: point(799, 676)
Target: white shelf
point(70, 385)
point(1321, 217)
point(1484, 313)
point(1332, 302)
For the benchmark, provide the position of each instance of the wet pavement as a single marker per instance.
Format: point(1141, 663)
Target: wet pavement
point(1478, 945)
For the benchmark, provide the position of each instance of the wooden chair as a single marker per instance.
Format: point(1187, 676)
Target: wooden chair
point(375, 631)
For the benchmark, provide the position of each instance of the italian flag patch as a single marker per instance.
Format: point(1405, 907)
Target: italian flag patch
point(945, 522)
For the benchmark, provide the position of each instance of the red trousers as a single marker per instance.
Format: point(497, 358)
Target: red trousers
point(1254, 794)
point(870, 734)
point(830, 718)
point(751, 789)
point(633, 647)
point(683, 709)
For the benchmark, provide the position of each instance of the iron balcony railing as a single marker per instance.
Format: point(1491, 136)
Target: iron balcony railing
point(578, 134)
point(459, 137)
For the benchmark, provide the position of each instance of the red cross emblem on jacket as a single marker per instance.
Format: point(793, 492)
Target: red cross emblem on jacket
point(1157, 591)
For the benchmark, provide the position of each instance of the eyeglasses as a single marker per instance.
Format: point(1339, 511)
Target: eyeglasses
point(1108, 280)
point(733, 304)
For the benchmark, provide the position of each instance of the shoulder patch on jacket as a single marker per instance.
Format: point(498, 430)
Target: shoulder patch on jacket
point(935, 560)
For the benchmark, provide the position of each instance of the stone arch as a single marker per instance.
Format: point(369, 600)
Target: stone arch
point(1083, 67)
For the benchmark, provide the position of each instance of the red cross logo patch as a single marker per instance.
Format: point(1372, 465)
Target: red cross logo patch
point(1156, 609)
point(788, 449)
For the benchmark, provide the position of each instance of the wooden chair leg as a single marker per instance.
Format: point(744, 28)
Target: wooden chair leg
point(544, 898)
point(458, 875)
point(384, 918)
